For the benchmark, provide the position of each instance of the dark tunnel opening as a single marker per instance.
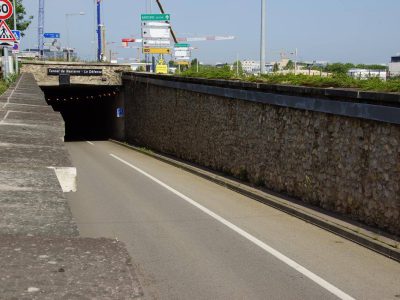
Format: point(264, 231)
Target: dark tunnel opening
point(88, 111)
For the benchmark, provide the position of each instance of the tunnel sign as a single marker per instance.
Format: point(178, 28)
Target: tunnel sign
point(74, 72)
point(6, 9)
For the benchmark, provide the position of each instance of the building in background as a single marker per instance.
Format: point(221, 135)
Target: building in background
point(365, 73)
point(49, 54)
point(251, 66)
point(394, 66)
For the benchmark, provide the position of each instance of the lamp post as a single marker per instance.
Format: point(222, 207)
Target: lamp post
point(262, 44)
point(67, 15)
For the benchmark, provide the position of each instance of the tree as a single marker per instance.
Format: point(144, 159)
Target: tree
point(22, 22)
point(339, 68)
point(194, 62)
point(289, 65)
point(172, 64)
point(275, 68)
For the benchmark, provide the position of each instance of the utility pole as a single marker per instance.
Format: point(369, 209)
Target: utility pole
point(237, 64)
point(262, 50)
point(15, 28)
point(41, 28)
point(99, 32)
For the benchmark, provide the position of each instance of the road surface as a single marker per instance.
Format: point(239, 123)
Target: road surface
point(192, 239)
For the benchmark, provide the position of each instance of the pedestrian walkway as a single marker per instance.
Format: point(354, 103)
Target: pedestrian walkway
point(41, 253)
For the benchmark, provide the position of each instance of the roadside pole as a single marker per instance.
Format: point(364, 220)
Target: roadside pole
point(15, 28)
point(262, 50)
point(6, 63)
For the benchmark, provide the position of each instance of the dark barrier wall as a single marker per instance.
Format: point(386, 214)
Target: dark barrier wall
point(325, 147)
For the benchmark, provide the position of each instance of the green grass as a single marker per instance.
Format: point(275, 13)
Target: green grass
point(3, 86)
point(333, 81)
point(209, 72)
point(5, 83)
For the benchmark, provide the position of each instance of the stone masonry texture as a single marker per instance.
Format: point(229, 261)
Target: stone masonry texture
point(345, 165)
point(111, 73)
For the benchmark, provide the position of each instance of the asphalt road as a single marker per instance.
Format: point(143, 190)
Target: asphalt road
point(192, 239)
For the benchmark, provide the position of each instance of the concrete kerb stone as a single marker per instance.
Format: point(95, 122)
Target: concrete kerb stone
point(358, 234)
point(66, 268)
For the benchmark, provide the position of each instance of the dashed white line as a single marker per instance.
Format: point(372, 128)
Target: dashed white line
point(318, 280)
point(90, 143)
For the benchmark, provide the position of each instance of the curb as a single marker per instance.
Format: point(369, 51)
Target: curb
point(373, 241)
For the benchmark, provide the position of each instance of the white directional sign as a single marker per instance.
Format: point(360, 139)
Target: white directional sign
point(6, 9)
point(181, 53)
point(156, 42)
point(155, 33)
point(155, 24)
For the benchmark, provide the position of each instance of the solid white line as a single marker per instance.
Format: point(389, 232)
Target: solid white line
point(90, 143)
point(323, 283)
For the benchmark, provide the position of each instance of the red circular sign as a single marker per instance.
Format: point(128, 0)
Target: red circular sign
point(6, 9)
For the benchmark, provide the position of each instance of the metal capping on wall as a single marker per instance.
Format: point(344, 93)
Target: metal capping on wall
point(383, 113)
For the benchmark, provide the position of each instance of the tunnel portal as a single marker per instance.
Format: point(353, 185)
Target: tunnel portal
point(88, 111)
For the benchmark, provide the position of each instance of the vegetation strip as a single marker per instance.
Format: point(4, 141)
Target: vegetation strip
point(334, 80)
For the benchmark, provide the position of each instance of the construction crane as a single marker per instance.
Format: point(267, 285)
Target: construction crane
point(41, 28)
point(100, 33)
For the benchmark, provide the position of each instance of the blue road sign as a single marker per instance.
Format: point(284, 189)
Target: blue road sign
point(52, 35)
point(17, 34)
point(120, 112)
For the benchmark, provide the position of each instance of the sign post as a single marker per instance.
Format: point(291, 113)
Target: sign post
point(7, 37)
point(182, 54)
point(156, 38)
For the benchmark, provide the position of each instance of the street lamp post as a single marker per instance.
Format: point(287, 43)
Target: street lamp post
point(66, 22)
point(262, 44)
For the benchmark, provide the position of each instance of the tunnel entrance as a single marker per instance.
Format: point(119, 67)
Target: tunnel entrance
point(88, 111)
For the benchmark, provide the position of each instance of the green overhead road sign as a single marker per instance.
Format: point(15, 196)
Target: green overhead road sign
point(180, 45)
point(156, 17)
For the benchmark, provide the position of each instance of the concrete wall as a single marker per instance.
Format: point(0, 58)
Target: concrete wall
point(111, 73)
point(340, 163)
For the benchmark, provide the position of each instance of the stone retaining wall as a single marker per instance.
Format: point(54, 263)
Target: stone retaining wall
point(342, 164)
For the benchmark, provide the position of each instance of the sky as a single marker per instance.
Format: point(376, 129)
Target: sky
point(358, 31)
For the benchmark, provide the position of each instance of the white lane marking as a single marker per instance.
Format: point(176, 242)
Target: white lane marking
point(90, 143)
point(318, 280)
point(5, 117)
point(12, 93)
point(66, 177)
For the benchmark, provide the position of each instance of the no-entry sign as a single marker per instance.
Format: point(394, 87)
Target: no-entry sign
point(6, 9)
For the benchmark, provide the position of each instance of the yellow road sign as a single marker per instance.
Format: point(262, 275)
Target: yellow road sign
point(182, 63)
point(162, 69)
point(156, 50)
